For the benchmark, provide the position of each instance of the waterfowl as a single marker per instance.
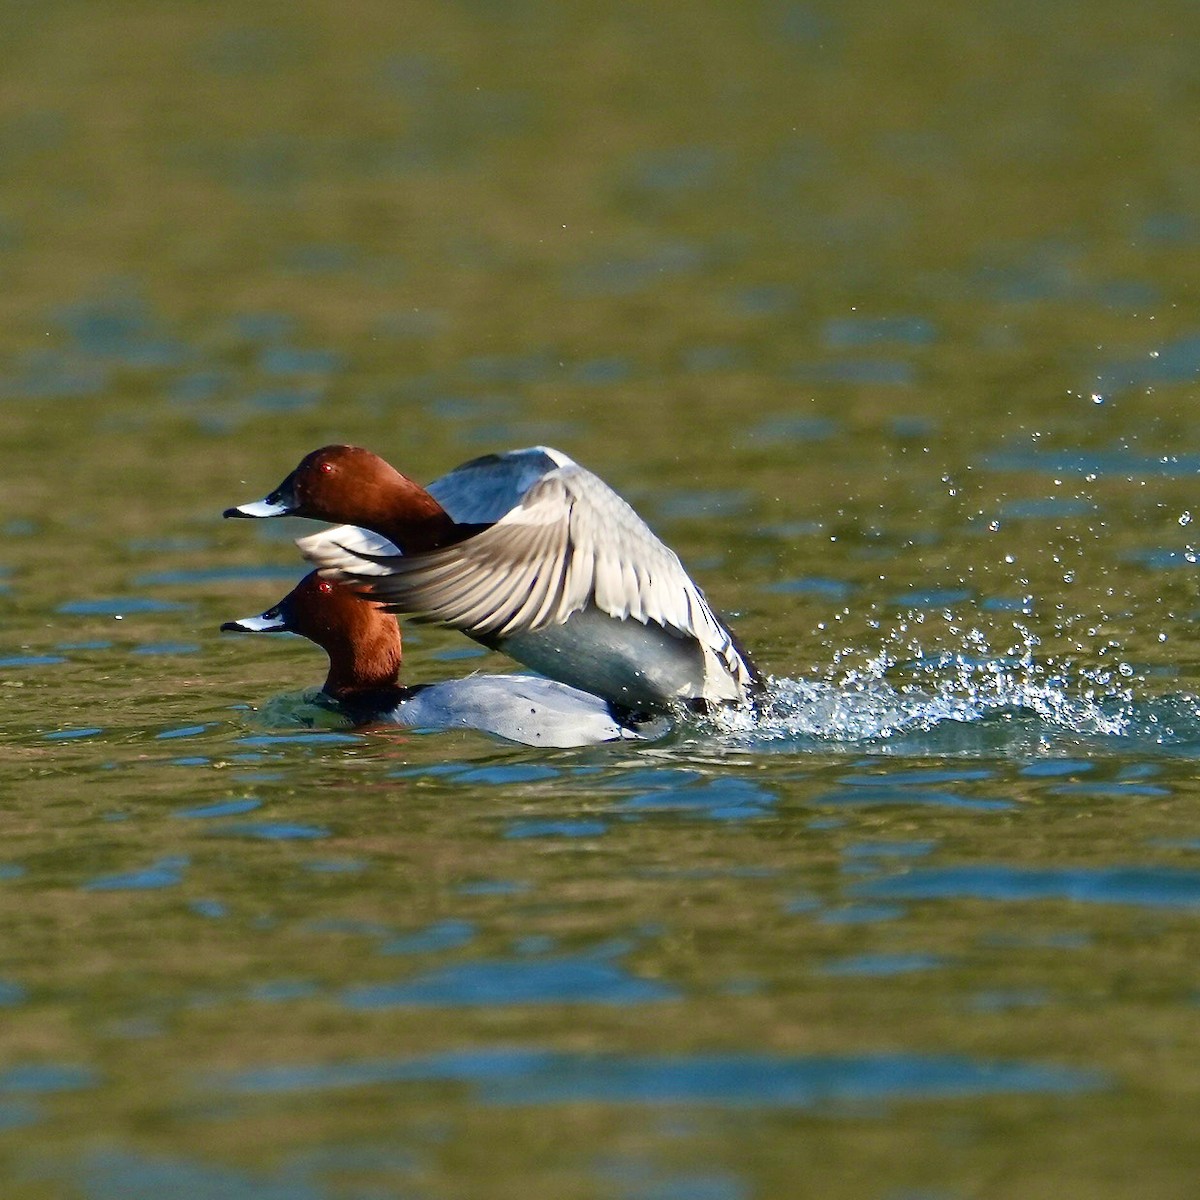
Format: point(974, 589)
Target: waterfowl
point(364, 648)
point(529, 553)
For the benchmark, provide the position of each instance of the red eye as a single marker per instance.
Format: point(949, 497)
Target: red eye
point(326, 468)
point(325, 587)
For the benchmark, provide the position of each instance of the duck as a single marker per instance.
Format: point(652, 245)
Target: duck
point(529, 553)
point(364, 647)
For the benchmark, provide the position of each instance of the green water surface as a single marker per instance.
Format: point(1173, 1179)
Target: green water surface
point(885, 316)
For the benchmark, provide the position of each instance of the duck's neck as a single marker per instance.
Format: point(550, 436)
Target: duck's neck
point(362, 666)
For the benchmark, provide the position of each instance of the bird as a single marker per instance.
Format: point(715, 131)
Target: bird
point(364, 647)
point(530, 553)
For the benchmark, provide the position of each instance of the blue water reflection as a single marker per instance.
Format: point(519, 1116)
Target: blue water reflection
point(167, 872)
point(118, 1174)
point(516, 1076)
point(444, 935)
point(1167, 887)
point(715, 800)
point(219, 808)
point(881, 965)
point(564, 828)
point(21, 1081)
point(579, 979)
point(270, 831)
point(119, 607)
point(901, 794)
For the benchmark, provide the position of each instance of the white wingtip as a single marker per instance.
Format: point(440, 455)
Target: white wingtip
point(341, 549)
point(557, 456)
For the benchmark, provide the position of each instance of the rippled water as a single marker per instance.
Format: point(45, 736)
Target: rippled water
point(886, 319)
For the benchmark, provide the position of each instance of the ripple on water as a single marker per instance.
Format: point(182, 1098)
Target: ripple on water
point(492, 887)
point(119, 606)
point(40, 1079)
point(859, 372)
point(17, 1114)
point(270, 831)
point(336, 866)
point(718, 799)
point(515, 1076)
point(167, 872)
point(219, 808)
point(1176, 361)
point(849, 332)
point(505, 773)
point(280, 991)
point(442, 935)
point(1149, 886)
point(1052, 767)
point(860, 914)
point(564, 828)
point(881, 965)
point(1005, 1000)
point(579, 979)
point(899, 794)
point(297, 360)
point(215, 575)
point(868, 852)
point(617, 274)
point(182, 731)
point(1121, 462)
point(1114, 787)
point(811, 585)
point(12, 993)
point(933, 598)
point(119, 1174)
point(299, 739)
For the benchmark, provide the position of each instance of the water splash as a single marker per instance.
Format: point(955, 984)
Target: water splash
point(902, 699)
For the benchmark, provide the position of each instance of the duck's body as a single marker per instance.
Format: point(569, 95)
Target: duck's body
point(529, 553)
point(364, 648)
point(520, 708)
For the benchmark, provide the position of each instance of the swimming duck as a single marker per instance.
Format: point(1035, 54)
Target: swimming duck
point(529, 553)
point(364, 648)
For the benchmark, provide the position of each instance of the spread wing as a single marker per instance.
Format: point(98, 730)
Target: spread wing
point(571, 541)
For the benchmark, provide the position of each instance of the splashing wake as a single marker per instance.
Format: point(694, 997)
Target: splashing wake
point(967, 700)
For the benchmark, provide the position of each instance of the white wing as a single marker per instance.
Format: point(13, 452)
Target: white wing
point(348, 540)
